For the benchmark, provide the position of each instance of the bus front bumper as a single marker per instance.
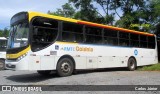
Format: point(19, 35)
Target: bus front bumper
point(16, 65)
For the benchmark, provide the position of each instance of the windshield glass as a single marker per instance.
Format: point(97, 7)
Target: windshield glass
point(3, 44)
point(18, 36)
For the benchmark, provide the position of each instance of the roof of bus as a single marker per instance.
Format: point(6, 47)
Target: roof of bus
point(33, 14)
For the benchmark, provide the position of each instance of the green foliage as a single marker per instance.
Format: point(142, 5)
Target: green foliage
point(104, 11)
point(66, 11)
point(4, 33)
point(1, 31)
point(155, 67)
point(88, 11)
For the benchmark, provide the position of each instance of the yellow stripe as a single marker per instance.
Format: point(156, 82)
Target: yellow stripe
point(12, 56)
point(34, 14)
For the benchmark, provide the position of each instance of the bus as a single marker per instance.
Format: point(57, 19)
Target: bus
point(46, 43)
point(3, 45)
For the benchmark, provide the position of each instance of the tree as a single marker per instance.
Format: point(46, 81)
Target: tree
point(89, 12)
point(142, 15)
point(129, 10)
point(5, 32)
point(1, 31)
point(109, 7)
point(66, 11)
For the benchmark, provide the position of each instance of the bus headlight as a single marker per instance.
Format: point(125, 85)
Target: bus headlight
point(19, 58)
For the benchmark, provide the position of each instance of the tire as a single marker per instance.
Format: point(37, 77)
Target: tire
point(44, 72)
point(2, 64)
point(131, 64)
point(65, 67)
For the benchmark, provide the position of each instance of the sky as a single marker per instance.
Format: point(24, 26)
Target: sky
point(10, 7)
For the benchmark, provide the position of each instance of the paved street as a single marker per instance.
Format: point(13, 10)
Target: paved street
point(96, 77)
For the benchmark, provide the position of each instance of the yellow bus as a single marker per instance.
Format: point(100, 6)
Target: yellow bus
point(48, 43)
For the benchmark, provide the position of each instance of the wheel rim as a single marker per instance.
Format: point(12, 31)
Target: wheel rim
point(65, 67)
point(132, 64)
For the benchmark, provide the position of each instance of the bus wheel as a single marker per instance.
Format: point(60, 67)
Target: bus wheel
point(2, 64)
point(65, 67)
point(131, 64)
point(44, 72)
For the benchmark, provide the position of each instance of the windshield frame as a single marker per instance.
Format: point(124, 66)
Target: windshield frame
point(19, 18)
point(18, 30)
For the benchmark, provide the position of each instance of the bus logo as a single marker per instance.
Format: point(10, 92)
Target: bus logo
point(136, 52)
point(56, 47)
point(78, 48)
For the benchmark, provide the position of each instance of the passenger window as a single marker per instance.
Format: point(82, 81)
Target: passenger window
point(111, 41)
point(134, 38)
point(123, 42)
point(93, 35)
point(110, 33)
point(143, 41)
point(44, 33)
point(110, 37)
point(72, 32)
point(123, 39)
point(151, 42)
point(93, 31)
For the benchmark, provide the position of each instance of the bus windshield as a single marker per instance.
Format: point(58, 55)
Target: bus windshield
point(18, 35)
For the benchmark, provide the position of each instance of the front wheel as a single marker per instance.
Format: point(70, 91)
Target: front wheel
point(65, 67)
point(131, 64)
point(2, 64)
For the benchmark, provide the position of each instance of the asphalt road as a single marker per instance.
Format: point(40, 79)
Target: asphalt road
point(96, 77)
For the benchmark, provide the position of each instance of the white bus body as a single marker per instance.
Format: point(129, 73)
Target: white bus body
point(85, 56)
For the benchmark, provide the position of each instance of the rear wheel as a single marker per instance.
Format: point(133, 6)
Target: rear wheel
point(65, 67)
point(131, 64)
point(44, 72)
point(2, 64)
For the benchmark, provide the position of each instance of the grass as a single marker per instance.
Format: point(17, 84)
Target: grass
point(155, 67)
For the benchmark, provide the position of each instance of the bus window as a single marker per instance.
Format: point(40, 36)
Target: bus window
point(44, 33)
point(72, 27)
point(143, 41)
point(93, 35)
point(45, 22)
point(124, 42)
point(72, 32)
point(134, 37)
point(110, 37)
point(151, 42)
point(111, 41)
point(93, 31)
point(134, 40)
point(110, 33)
point(123, 35)
point(123, 39)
